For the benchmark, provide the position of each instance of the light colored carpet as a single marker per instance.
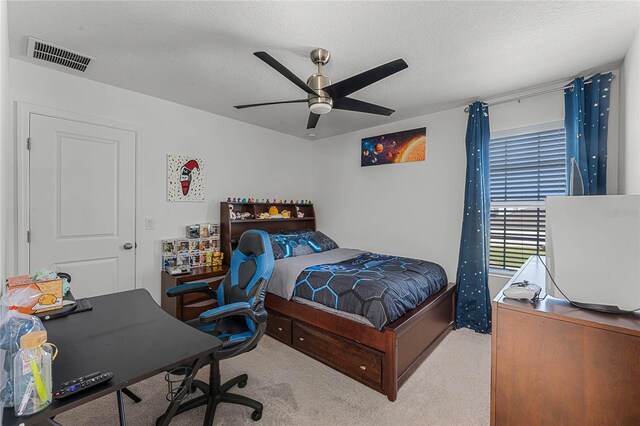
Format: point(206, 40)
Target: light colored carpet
point(451, 387)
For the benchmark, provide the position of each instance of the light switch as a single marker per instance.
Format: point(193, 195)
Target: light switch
point(149, 223)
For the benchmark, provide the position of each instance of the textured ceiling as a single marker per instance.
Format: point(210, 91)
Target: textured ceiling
point(200, 53)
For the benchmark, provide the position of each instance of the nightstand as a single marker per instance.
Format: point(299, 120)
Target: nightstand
point(190, 306)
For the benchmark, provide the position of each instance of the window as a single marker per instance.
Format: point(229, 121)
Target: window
point(525, 167)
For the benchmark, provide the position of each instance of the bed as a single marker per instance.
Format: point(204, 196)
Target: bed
point(379, 352)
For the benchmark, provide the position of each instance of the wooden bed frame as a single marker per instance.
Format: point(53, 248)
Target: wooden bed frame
point(381, 359)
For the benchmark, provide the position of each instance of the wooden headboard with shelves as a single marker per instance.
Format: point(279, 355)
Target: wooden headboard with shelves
point(231, 230)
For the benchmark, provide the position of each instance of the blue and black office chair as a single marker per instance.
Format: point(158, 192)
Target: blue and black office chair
point(239, 321)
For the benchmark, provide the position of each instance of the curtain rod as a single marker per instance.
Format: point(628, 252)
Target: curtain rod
point(531, 95)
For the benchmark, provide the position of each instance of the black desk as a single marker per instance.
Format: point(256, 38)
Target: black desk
point(126, 333)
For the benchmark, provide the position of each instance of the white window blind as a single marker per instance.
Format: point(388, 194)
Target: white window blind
point(524, 169)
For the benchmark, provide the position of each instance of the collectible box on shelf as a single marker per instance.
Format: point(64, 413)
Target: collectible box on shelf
point(201, 247)
point(193, 231)
point(203, 230)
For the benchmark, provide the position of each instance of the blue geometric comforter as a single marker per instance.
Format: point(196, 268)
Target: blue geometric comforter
point(378, 287)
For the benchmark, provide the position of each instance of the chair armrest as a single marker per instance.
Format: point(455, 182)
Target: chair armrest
point(232, 309)
point(199, 287)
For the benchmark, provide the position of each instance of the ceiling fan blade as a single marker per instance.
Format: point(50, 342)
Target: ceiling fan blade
point(269, 103)
point(352, 84)
point(313, 120)
point(350, 104)
point(284, 71)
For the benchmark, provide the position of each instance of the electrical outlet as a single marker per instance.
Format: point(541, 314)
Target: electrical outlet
point(149, 223)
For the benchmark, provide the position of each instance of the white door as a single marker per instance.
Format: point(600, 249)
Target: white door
point(82, 203)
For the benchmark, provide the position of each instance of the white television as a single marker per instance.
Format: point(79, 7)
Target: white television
point(593, 251)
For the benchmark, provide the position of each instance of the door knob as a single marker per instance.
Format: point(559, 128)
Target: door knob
point(128, 246)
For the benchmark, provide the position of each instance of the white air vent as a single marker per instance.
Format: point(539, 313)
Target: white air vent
point(58, 55)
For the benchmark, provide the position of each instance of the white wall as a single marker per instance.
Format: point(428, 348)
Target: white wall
point(415, 209)
point(5, 133)
point(629, 173)
point(242, 160)
point(409, 209)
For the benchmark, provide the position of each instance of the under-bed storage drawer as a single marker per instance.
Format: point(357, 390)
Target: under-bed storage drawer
point(279, 327)
point(363, 364)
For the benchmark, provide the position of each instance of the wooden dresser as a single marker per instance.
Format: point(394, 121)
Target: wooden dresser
point(555, 364)
point(190, 306)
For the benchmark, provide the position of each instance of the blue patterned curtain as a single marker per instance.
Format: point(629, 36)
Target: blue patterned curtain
point(586, 114)
point(473, 300)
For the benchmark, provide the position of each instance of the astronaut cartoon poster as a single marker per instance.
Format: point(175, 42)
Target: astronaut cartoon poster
point(185, 178)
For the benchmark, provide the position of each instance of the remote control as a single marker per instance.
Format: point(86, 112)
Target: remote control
point(80, 384)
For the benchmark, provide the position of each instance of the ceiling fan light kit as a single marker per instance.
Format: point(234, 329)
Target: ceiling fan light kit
point(322, 102)
point(322, 96)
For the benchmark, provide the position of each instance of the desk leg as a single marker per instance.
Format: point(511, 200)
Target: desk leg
point(135, 398)
point(123, 421)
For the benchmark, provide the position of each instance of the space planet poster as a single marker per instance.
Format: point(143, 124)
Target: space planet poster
point(185, 178)
point(398, 147)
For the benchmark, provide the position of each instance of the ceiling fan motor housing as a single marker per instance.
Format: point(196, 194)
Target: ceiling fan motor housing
point(322, 103)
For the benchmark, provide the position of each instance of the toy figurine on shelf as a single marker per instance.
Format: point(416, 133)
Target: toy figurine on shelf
point(228, 199)
point(299, 213)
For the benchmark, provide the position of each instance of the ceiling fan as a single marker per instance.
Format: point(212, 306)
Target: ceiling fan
point(322, 96)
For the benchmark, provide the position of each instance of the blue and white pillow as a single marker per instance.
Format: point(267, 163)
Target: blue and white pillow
point(324, 241)
point(293, 245)
point(302, 243)
point(277, 250)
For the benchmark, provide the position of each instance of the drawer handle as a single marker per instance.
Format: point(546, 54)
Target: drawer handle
point(362, 367)
point(302, 339)
point(279, 328)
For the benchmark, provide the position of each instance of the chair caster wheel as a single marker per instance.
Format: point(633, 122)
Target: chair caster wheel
point(256, 415)
point(242, 384)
